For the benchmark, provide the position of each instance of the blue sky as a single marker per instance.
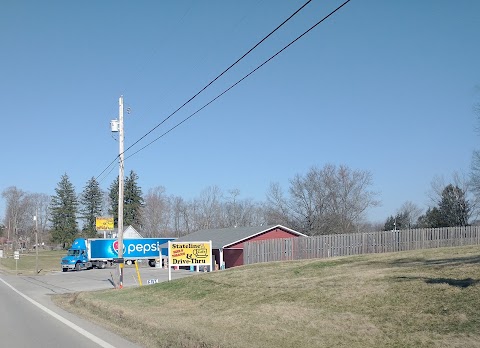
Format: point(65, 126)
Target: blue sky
point(385, 86)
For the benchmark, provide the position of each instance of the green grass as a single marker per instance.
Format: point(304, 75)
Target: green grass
point(47, 261)
point(427, 298)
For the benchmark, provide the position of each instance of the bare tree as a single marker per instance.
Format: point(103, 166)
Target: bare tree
point(180, 216)
point(155, 213)
point(250, 213)
point(209, 211)
point(41, 209)
point(212, 210)
point(277, 210)
point(411, 211)
point(367, 226)
point(348, 197)
point(231, 209)
point(242, 212)
point(18, 208)
point(330, 200)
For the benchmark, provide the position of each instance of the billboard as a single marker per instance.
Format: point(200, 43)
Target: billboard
point(104, 223)
point(189, 253)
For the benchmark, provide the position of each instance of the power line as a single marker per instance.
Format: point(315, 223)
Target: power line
point(112, 168)
point(243, 78)
point(220, 75)
point(206, 86)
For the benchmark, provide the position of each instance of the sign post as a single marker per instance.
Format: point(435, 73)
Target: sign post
point(16, 256)
point(188, 254)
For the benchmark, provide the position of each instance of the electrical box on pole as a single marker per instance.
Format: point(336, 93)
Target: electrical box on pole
point(115, 125)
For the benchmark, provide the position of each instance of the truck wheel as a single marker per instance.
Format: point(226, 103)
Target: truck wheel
point(129, 262)
point(151, 263)
point(64, 269)
point(77, 266)
point(102, 265)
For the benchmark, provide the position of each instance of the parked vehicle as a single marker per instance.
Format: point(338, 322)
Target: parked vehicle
point(79, 257)
point(100, 252)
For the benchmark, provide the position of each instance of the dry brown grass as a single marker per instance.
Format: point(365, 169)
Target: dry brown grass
point(412, 299)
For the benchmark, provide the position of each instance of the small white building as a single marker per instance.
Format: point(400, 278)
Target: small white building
point(128, 233)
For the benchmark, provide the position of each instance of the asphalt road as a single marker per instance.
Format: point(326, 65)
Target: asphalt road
point(28, 317)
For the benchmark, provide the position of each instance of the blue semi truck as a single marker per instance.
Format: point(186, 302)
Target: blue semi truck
point(100, 252)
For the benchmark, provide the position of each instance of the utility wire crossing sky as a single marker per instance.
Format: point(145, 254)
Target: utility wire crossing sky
point(383, 86)
point(232, 86)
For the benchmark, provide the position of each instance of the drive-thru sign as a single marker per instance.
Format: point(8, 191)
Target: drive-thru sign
point(188, 254)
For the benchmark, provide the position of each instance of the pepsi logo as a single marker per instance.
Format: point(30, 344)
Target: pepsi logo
point(115, 247)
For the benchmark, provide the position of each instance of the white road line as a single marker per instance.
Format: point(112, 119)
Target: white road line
point(75, 327)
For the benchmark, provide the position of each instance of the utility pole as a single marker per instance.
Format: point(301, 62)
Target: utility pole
point(120, 190)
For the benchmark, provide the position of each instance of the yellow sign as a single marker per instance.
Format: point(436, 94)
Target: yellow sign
point(190, 253)
point(104, 223)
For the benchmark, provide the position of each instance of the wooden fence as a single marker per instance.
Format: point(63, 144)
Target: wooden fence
point(358, 243)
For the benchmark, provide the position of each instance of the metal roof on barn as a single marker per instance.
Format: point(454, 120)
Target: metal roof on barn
point(225, 237)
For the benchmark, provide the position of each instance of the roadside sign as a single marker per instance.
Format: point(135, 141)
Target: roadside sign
point(16, 256)
point(188, 254)
point(152, 281)
point(104, 223)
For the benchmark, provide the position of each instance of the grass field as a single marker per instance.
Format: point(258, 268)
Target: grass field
point(427, 298)
point(47, 261)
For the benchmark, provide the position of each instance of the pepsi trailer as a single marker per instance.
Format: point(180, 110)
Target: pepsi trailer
point(90, 253)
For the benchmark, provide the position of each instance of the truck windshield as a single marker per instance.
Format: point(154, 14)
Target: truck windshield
point(73, 252)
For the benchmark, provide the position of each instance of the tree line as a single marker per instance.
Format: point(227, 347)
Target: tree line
point(328, 200)
point(450, 209)
point(339, 198)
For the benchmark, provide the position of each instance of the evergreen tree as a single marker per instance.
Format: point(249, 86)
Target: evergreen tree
point(389, 224)
point(133, 201)
point(432, 219)
point(399, 222)
point(63, 209)
point(113, 196)
point(91, 202)
point(453, 210)
point(454, 207)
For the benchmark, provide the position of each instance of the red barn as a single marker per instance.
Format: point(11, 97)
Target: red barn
point(227, 243)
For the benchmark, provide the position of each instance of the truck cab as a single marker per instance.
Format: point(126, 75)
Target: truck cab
point(77, 257)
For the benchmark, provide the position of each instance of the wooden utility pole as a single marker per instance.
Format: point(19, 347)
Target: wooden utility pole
point(120, 190)
point(36, 241)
